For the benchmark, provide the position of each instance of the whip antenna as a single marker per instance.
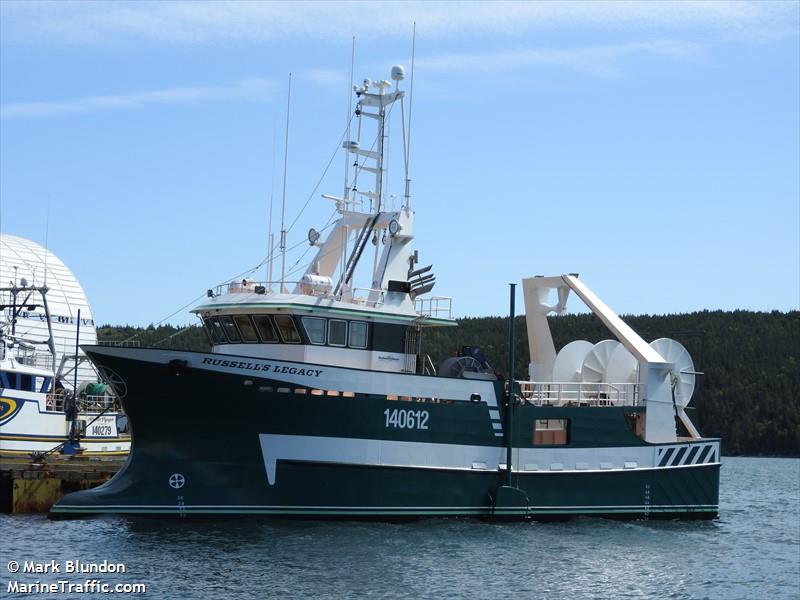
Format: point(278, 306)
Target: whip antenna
point(271, 236)
point(283, 201)
point(46, 240)
point(346, 194)
point(410, 103)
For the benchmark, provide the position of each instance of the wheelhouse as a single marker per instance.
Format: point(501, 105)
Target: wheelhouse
point(362, 341)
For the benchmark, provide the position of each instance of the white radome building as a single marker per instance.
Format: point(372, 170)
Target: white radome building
point(20, 259)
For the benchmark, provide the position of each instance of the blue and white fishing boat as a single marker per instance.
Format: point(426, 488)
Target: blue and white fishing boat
point(50, 397)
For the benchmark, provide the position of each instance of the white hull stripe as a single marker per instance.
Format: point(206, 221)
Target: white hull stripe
point(431, 456)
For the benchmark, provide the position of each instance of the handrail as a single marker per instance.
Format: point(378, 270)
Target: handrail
point(430, 368)
point(31, 358)
point(379, 296)
point(568, 393)
point(435, 306)
point(86, 404)
point(248, 286)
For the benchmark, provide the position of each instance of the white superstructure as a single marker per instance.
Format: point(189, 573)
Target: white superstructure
point(324, 317)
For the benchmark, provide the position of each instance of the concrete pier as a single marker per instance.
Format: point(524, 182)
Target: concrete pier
point(29, 486)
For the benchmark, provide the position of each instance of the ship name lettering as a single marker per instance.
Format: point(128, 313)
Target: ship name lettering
point(236, 364)
point(298, 371)
point(240, 364)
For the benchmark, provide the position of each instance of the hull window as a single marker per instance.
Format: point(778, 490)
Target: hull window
point(315, 329)
point(337, 333)
point(246, 328)
point(230, 328)
point(266, 330)
point(287, 329)
point(551, 432)
point(358, 334)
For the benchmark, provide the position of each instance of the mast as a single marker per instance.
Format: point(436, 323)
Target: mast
point(381, 85)
point(73, 443)
point(379, 100)
point(14, 291)
point(510, 393)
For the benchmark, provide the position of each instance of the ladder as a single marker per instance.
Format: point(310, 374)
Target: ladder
point(352, 262)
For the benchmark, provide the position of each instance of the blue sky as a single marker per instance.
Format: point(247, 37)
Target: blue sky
point(651, 147)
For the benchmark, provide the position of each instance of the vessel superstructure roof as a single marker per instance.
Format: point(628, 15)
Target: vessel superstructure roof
point(303, 303)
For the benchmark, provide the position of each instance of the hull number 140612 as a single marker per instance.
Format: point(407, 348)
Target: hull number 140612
point(400, 418)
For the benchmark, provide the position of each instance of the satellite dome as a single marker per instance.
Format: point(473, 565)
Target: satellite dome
point(23, 259)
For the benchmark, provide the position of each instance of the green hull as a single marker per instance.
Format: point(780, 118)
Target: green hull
point(208, 443)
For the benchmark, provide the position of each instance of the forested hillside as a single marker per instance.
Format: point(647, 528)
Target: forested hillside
point(748, 395)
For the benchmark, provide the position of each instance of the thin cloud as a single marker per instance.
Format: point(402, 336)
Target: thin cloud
point(600, 61)
point(326, 77)
point(203, 22)
point(242, 90)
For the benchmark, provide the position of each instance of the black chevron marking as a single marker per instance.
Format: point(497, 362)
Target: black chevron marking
point(691, 455)
point(679, 456)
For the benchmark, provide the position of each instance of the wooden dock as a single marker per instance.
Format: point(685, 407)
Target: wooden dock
point(31, 486)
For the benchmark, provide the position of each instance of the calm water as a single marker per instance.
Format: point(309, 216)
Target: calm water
point(752, 551)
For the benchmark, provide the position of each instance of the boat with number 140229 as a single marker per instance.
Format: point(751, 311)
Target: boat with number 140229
point(320, 402)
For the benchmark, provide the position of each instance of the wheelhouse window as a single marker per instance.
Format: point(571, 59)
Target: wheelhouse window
point(209, 329)
point(287, 329)
point(315, 329)
point(230, 328)
point(246, 328)
point(17, 381)
point(216, 332)
point(358, 334)
point(266, 330)
point(551, 432)
point(337, 332)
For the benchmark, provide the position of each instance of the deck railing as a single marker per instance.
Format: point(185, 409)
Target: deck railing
point(440, 307)
point(434, 306)
point(368, 297)
point(31, 358)
point(86, 404)
point(248, 286)
point(553, 393)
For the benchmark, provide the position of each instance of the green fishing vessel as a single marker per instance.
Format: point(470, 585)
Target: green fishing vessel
point(318, 399)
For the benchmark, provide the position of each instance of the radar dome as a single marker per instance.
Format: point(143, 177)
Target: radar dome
point(21, 259)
